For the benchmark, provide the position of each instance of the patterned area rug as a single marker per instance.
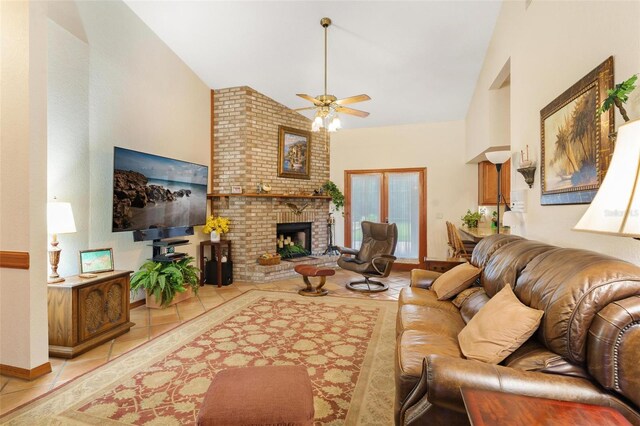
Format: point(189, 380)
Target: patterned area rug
point(346, 344)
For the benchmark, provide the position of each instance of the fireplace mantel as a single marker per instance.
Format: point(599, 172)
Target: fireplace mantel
point(269, 195)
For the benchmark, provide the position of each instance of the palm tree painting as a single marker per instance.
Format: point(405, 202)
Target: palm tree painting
point(570, 133)
point(575, 146)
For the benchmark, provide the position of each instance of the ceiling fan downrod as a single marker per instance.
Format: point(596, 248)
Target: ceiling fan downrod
point(325, 22)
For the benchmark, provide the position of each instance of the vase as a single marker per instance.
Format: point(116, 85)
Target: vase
point(215, 237)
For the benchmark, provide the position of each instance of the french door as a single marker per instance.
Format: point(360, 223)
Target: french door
point(393, 196)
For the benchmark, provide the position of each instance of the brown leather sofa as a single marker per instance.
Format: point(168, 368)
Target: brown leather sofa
point(587, 348)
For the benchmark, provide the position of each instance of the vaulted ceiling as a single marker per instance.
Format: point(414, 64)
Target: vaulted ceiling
point(419, 60)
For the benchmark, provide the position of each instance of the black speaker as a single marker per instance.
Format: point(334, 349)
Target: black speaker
point(211, 272)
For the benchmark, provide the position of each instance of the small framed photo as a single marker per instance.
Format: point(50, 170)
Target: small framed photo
point(236, 190)
point(97, 260)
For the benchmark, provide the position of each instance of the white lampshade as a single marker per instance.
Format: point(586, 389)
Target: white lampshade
point(615, 210)
point(498, 157)
point(60, 218)
point(511, 218)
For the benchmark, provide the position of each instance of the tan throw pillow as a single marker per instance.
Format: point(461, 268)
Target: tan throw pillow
point(499, 328)
point(455, 280)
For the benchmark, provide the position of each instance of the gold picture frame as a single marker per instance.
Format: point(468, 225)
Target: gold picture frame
point(96, 260)
point(294, 153)
point(575, 144)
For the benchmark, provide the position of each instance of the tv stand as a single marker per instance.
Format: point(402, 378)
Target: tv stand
point(160, 247)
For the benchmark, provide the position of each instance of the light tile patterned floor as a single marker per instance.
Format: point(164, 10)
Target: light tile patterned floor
point(150, 323)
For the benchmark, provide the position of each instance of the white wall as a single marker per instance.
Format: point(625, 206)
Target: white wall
point(23, 171)
point(140, 96)
point(451, 184)
point(551, 45)
point(119, 86)
point(68, 137)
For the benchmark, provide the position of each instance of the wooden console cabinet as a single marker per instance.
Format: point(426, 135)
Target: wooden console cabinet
point(86, 312)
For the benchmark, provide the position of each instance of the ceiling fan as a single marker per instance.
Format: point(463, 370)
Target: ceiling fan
point(328, 106)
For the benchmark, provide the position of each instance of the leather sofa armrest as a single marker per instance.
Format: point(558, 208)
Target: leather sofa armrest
point(423, 279)
point(443, 377)
point(347, 250)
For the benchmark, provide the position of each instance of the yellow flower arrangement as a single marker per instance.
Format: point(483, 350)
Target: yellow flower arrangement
point(219, 224)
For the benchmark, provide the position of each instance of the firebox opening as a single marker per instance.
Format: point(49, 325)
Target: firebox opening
point(293, 239)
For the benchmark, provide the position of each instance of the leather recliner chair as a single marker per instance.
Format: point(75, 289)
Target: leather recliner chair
point(375, 257)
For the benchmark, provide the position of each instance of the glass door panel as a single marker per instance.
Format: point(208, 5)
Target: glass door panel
point(365, 203)
point(403, 206)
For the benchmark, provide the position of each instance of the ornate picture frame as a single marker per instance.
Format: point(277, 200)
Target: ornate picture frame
point(96, 260)
point(575, 145)
point(294, 153)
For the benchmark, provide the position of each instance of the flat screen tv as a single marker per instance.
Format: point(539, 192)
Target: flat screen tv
point(157, 197)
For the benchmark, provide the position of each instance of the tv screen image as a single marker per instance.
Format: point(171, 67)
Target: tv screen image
point(150, 191)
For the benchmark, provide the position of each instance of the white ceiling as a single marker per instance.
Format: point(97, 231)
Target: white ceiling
point(419, 61)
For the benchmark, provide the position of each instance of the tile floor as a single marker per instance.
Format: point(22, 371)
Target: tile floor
point(150, 323)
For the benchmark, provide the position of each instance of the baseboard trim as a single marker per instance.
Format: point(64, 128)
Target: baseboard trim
point(14, 259)
point(137, 303)
point(24, 373)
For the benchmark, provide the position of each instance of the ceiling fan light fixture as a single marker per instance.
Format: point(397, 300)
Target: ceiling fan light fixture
point(327, 105)
point(317, 124)
point(336, 123)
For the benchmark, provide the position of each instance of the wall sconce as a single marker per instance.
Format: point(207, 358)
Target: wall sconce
point(529, 174)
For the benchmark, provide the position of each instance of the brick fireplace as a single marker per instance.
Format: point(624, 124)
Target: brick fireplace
point(245, 153)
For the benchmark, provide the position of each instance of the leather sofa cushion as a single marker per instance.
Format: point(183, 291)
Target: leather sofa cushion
point(472, 304)
point(532, 356)
point(507, 263)
point(412, 347)
point(422, 297)
point(422, 278)
point(433, 321)
point(499, 328)
point(485, 249)
point(455, 280)
point(572, 286)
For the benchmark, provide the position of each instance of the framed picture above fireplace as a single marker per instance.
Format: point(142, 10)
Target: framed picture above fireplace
point(294, 153)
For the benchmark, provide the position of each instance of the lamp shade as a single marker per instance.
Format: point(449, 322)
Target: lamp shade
point(510, 219)
point(498, 157)
point(615, 209)
point(60, 218)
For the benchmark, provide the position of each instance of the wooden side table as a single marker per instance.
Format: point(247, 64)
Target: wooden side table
point(443, 265)
point(489, 408)
point(216, 252)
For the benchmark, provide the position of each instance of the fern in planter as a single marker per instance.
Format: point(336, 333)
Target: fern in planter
point(164, 279)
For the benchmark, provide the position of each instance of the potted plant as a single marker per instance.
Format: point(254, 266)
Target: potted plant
point(471, 219)
point(216, 226)
point(334, 192)
point(166, 283)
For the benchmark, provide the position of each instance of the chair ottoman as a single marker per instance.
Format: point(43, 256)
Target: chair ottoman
point(269, 395)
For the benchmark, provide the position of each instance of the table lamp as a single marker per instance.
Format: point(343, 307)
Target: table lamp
point(59, 221)
point(615, 210)
point(498, 158)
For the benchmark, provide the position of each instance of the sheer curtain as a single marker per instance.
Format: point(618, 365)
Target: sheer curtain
point(365, 203)
point(404, 210)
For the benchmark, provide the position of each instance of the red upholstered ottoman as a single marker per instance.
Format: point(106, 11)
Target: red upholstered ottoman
point(311, 271)
point(270, 395)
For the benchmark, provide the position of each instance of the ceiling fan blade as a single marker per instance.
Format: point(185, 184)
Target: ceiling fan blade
point(353, 99)
point(304, 109)
point(309, 98)
point(351, 111)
